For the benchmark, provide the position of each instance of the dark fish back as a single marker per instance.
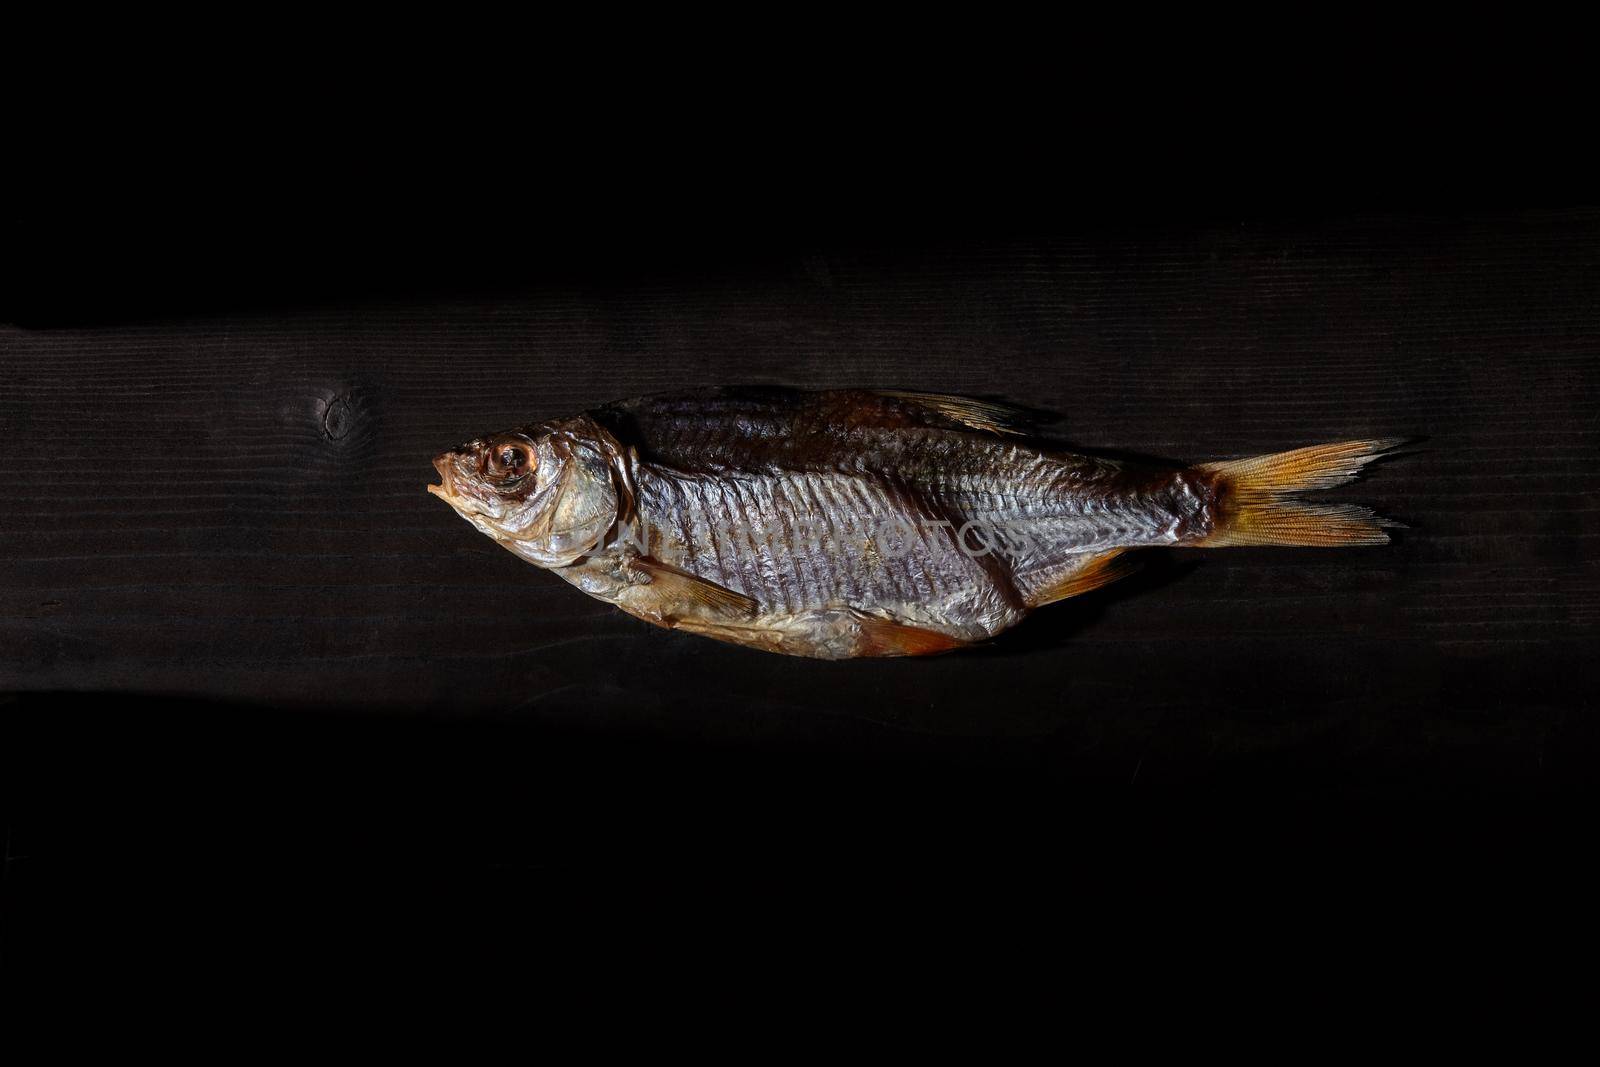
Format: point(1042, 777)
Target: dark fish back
point(769, 429)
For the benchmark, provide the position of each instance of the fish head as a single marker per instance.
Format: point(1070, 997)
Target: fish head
point(550, 492)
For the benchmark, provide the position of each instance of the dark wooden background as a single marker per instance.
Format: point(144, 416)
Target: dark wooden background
point(214, 532)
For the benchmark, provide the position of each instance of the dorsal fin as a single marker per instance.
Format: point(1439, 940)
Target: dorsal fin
point(976, 414)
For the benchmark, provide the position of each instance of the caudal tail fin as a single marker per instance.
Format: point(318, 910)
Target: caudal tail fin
point(1254, 506)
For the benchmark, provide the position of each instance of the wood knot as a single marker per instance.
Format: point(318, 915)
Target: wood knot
point(337, 418)
point(344, 421)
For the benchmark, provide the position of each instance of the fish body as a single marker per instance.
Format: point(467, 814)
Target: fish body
point(848, 523)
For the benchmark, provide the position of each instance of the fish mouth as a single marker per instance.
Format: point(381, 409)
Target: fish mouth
point(445, 490)
point(463, 498)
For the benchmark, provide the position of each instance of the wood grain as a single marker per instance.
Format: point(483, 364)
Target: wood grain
point(232, 506)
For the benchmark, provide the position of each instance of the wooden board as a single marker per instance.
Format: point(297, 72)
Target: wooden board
point(228, 507)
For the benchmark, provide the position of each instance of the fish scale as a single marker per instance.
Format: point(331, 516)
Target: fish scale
point(763, 546)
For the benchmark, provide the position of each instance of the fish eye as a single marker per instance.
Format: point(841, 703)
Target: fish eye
point(508, 459)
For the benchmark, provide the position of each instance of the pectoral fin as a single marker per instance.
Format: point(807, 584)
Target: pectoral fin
point(672, 593)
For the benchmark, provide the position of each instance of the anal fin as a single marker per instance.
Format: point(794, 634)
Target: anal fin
point(1100, 569)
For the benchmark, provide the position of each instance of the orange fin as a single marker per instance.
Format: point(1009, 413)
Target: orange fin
point(1101, 569)
point(884, 637)
point(975, 414)
point(1254, 507)
point(674, 588)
